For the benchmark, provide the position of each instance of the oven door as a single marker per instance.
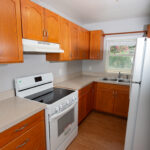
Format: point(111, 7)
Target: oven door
point(62, 124)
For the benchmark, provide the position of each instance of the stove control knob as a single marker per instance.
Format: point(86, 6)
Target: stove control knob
point(57, 109)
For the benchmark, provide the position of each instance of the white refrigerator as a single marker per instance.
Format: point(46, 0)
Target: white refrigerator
point(138, 124)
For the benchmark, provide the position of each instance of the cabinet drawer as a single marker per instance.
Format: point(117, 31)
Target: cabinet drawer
point(17, 130)
point(33, 139)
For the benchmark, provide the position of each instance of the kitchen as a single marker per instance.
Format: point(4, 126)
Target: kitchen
point(80, 68)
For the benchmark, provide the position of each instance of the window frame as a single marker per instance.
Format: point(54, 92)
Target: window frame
point(107, 48)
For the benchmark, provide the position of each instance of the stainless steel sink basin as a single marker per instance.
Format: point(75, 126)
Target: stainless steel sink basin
point(122, 80)
point(116, 80)
point(109, 79)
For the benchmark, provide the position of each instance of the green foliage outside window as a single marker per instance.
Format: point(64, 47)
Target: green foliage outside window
point(121, 58)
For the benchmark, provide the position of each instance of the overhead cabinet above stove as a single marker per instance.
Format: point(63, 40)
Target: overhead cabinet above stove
point(39, 23)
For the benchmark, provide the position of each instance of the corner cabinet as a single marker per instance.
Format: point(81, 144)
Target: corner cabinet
point(11, 50)
point(96, 44)
point(112, 98)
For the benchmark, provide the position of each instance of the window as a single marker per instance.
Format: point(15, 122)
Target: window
point(120, 54)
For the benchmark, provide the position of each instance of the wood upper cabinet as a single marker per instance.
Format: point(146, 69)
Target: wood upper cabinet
point(83, 43)
point(51, 26)
point(104, 97)
point(64, 43)
point(10, 32)
point(74, 41)
point(148, 31)
point(39, 23)
point(32, 20)
point(87, 45)
point(96, 44)
point(121, 104)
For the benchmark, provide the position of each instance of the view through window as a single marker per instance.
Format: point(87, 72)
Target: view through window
point(120, 54)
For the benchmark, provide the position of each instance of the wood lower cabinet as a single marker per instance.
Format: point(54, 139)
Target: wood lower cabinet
point(96, 44)
point(112, 98)
point(148, 31)
point(104, 97)
point(11, 50)
point(85, 104)
point(29, 134)
point(32, 139)
point(32, 20)
point(121, 104)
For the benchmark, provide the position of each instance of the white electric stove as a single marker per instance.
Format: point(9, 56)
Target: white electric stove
point(61, 113)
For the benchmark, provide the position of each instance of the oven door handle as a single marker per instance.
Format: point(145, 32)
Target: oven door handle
point(59, 115)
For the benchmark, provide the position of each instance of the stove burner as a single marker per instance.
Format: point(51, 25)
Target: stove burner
point(50, 96)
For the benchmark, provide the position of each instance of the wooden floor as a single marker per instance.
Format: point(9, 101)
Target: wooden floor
point(100, 132)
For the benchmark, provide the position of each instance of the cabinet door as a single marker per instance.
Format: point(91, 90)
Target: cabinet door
point(104, 97)
point(148, 31)
point(82, 107)
point(87, 45)
point(81, 43)
point(64, 43)
point(96, 44)
point(10, 32)
point(74, 41)
point(33, 139)
point(32, 20)
point(86, 102)
point(121, 104)
point(52, 26)
point(90, 99)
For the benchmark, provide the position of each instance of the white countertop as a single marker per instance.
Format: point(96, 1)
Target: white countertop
point(82, 81)
point(14, 110)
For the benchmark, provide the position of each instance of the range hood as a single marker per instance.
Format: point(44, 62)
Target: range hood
point(40, 47)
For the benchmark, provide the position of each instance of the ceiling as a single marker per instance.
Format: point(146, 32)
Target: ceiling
point(94, 11)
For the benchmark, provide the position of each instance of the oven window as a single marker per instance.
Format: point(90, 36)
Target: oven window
point(65, 120)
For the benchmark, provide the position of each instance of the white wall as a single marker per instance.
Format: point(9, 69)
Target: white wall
point(127, 25)
point(35, 64)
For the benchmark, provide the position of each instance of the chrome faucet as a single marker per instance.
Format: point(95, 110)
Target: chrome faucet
point(119, 75)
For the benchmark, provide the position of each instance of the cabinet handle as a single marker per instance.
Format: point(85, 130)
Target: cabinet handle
point(20, 129)
point(47, 34)
point(113, 93)
point(44, 33)
point(24, 143)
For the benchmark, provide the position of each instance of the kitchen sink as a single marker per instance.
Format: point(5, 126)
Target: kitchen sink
point(123, 80)
point(116, 80)
point(109, 79)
